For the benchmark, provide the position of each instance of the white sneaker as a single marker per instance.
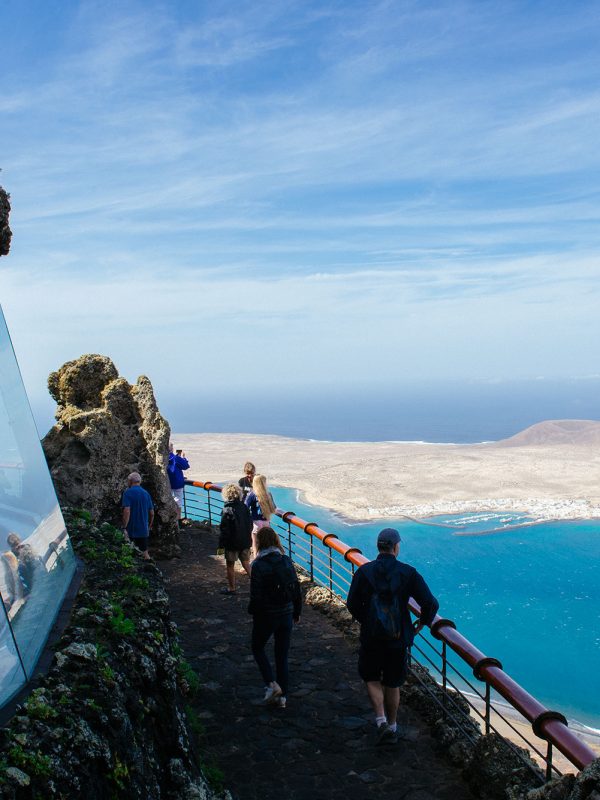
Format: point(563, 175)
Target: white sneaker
point(272, 692)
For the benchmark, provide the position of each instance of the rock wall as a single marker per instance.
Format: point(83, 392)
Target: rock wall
point(5, 232)
point(105, 429)
point(107, 721)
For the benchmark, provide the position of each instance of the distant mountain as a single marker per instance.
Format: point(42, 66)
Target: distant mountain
point(578, 432)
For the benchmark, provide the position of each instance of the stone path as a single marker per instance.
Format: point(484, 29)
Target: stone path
point(322, 745)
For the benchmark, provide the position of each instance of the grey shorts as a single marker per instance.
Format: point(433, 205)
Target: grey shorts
point(231, 556)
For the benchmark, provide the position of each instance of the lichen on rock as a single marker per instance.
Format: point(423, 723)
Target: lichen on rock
point(105, 428)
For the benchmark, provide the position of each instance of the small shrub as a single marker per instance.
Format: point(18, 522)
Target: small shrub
point(81, 513)
point(120, 773)
point(189, 676)
point(38, 708)
point(194, 722)
point(107, 673)
point(215, 777)
point(135, 583)
point(32, 763)
point(119, 623)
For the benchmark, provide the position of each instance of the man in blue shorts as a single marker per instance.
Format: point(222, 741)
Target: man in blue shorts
point(378, 599)
point(138, 514)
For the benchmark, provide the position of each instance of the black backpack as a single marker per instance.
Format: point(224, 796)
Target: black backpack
point(384, 616)
point(279, 583)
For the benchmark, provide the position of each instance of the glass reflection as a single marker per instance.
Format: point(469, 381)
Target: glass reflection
point(36, 561)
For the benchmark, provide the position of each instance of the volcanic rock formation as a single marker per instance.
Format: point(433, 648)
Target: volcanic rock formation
point(5, 232)
point(106, 429)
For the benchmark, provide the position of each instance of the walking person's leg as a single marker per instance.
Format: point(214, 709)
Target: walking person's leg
point(372, 668)
point(230, 567)
point(245, 561)
point(391, 701)
point(282, 634)
point(262, 630)
point(395, 669)
point(142, 545)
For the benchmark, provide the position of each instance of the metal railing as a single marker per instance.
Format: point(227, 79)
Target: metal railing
point(331, 563)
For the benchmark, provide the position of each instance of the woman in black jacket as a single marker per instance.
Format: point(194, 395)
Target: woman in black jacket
point(275, 604)
point(236, 534)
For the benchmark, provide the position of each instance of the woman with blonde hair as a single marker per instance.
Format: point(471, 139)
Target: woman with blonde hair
point(261, 504)
point(235, 534)
point(275, 605)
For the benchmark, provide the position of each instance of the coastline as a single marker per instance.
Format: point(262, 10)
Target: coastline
point(591, 736)
point(364, 481)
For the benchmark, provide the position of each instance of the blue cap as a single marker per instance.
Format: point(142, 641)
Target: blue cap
point(388, 536)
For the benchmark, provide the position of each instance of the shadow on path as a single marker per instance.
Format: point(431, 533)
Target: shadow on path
point(322, 745)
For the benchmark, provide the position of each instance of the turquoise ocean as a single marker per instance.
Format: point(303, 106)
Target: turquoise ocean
point(530, 595)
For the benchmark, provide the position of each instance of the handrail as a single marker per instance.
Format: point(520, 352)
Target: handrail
point(546, 724)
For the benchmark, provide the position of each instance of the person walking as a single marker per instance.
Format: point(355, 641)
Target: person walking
point(138, 514)
point(275, 605)
point(261, 504)
point(378, 599)
point(177, 464)
point(235, 536)
point(245, 483)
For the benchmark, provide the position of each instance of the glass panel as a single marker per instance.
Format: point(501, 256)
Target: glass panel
point(36, 559)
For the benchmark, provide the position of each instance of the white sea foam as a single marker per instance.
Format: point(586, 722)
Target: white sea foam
point(539, 510)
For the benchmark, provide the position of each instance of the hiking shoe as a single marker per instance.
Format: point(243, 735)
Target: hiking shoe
point(281, 702)
point(385, 735)
point(272, 693)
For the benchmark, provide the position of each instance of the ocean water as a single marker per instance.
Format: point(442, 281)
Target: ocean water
point(529, 596)
point(458, 411)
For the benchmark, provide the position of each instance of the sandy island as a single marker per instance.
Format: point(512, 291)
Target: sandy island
point(550, 471)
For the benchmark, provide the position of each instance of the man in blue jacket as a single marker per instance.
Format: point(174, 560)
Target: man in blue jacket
point(378, 599)
point(177, 463)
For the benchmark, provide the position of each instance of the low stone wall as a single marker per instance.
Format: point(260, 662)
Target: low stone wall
point(107, 721)
point(490, 767)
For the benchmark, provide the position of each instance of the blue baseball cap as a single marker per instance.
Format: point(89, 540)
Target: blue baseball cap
point(388, 536)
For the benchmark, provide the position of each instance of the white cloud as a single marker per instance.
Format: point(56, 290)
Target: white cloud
point(404, 178)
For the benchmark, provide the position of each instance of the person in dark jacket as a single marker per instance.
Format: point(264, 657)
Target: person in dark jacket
point(382, 660)
point(245, 483)
point(275, 604)
point(235, 534)
point(177, 464)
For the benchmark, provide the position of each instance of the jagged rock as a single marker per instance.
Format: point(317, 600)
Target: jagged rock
point(498, 772)
point(5, 231)
point(587, 783)
point(557, 789)
point(17, 777)
point(105, 429)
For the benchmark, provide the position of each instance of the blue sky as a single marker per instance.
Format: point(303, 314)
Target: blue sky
point(224, 194)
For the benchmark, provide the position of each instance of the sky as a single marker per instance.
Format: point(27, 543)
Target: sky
point(233, 197)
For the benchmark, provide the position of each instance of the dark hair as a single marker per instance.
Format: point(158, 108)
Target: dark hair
point(266, 537)
point(385, 547)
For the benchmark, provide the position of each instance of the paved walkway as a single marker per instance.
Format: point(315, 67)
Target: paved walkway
point(321, 746)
